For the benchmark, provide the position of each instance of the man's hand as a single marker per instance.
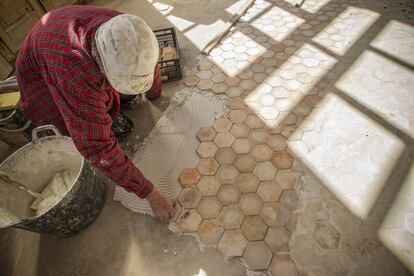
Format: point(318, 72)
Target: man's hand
point(161, 206)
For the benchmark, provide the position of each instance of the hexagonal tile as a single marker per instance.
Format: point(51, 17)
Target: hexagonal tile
point(234, 91)
point(277, 142)
point(205, 74)
point(274, 214)
point(250, 204)
point(208, 185)
point(286, 179)
point(209, 207)
point(191, 80)
point(207, 166)
point(239, 130)
point(222, 124)
point(189, 177)
point(206, 149)
point(210, 231)
point(227, 174)
point(277, 238)
point(220, 77)
point(257, 255)
point(258, 136)
point(189, 221)
point(253, 228)
point(269, 191)
point(261, 153)
point(252, 121)
point(237, 116)
point(326, 235)
point(244, 163)
point(206, 134)
point(283, 265)
point(264, 171)
point(230, 217)
point(241, 146)
point(269, 113)
point(282, 160)
point(189, 197)
point(224, 139)
point(292, 133)
point(279, 92)
point(234, 81)
point(228, 194)
point(289, 199)
point(233, 243)
point(235, 103)
point(205, 84)
point(225, 156)
point(247, 183)
point(219, 88)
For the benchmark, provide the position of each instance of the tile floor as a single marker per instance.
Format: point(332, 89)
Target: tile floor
point(298, 177)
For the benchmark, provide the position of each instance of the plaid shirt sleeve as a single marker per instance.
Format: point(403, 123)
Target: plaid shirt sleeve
point(83, 105)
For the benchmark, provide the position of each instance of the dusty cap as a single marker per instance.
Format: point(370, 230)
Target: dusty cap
point(129, 52)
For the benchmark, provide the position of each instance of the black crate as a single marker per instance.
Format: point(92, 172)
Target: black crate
point(170, 69)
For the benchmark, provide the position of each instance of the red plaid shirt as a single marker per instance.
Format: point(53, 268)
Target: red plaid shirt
point(61, 84)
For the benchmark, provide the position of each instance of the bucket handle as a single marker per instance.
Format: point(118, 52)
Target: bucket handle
point(36, 131)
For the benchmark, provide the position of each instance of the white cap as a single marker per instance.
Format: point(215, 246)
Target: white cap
point(129, 53)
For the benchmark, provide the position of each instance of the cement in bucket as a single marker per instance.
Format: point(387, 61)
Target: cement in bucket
point(36, 165)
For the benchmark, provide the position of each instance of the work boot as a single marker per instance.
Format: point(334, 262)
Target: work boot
point(122, 126)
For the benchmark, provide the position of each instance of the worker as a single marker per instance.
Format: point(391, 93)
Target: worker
point(72, 68)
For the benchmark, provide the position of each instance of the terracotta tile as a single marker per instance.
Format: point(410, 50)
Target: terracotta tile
point(234, 91)
point(224, 139)
point(233, 243)
point(189, 177)
point(261, 153)
point(257, 255)
point(254, 121)
point(282, 160)
point(289, 199)
point(204, 64)
point(250, 204)
point(210, 232)
point(222, 124)
point(239, 130)
point(189, 221)
point(244, 163)
point(326, 235)
point(237, 116)
point(206, 134)
point(205, 84)
point(208, 185)
point(269, 191)
point(219, 88)
point(241, 146)
point(225, 156)
point(283, 265)
point(286, 179)
point(230, 217)
point(204, 75)
point(206, 149)
point(274, 214)
point(247, 183)
point(232, 81)
point(264, 171)
point(227, 174)
point(253, 228)
point(235, 103)
point(189, 197)
point(220, 77)
point(248, 84)
point(228, 194)
point(258, 136)
point(277, 238)
point(209, 207)
point(207, 166)
point(292, 133)
point(191, 80)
